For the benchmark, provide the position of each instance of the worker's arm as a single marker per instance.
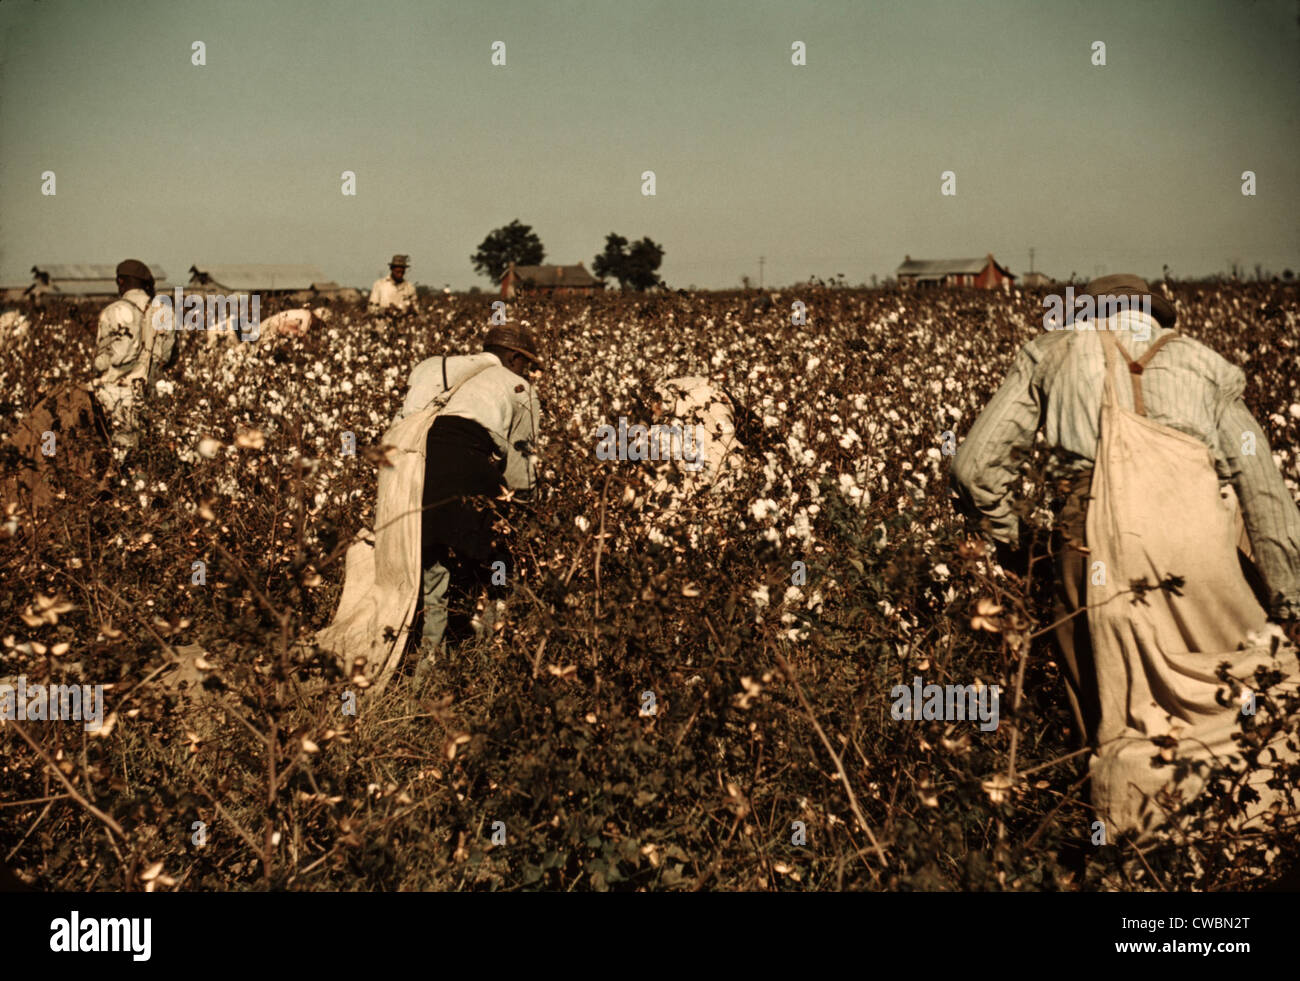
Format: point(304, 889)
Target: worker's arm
point(162, 319)
point(521, 441)
point(156, 341)
point(1267, 508)
point(988, 459)
point(374, 294)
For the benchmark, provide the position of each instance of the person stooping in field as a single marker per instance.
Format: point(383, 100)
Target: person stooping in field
point(482, 440)
point(1166, 473)
point(461, 440)
point(393, 293)
point(135, 341)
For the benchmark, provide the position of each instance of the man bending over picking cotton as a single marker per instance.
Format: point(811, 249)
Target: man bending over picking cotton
point(482, 440)
point(1149, 428)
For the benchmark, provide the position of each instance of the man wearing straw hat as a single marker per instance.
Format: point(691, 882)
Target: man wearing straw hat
point(456, 448)
point(393, 293)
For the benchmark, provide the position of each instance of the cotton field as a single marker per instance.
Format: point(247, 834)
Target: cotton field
point(767, 603)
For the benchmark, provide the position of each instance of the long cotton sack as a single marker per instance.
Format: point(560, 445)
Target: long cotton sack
point(1156, 511)
point(382, 578)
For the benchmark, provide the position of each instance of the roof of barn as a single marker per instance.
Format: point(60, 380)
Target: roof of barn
point(943, 267)
point(276, 276)
point(88, 271)
point(556, 275)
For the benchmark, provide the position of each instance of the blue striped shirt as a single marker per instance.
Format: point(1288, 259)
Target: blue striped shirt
point(1056, 383)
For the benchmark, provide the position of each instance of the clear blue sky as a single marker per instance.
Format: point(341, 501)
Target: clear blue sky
point(829, 168)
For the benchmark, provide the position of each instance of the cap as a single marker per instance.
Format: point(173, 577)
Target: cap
point(135, 268)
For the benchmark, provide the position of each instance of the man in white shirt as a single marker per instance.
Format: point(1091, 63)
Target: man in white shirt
point(483, 439)
point(393, 292)
point(135, 341)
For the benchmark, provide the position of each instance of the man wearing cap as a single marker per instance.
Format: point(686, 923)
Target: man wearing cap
point(135, 341)
point(483, 439)
point(1056, 383)
point(393, 292)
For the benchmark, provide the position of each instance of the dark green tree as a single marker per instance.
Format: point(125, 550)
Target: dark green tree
point(516, 243)
point(635, 267)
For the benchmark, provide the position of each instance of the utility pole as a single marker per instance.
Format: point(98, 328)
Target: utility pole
point(1031, 258)
point(761, 260)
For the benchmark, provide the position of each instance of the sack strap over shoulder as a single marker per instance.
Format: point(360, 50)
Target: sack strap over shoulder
point(1137, 367)
point(444, 397)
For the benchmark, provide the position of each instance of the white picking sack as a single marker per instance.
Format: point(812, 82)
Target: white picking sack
point(382, 577)
point(383, 574)
point(1157, 511)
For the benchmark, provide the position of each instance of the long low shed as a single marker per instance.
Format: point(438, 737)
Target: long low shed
point(82, 280)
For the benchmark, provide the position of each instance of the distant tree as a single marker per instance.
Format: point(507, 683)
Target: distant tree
point(633, 266)
point(511, 243)
point(1288, 275)
point(744, 282)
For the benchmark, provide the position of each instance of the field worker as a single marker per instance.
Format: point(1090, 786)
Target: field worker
point(393, 292)
point(1163, 463)
point(483, 439)
point(135, 341)
point(298, 322)
point(707, 455)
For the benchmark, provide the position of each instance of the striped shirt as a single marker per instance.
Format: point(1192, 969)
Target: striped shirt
point(1056, 383)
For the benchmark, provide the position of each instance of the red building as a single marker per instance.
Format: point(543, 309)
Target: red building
point(549, 281)
point(985, 273)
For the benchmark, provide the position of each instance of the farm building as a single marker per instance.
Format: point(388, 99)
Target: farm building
point(983, 273)
point(329, 290)
point(1035, 279)
point(82, 281)
point(265, 280)
point(549, 281)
